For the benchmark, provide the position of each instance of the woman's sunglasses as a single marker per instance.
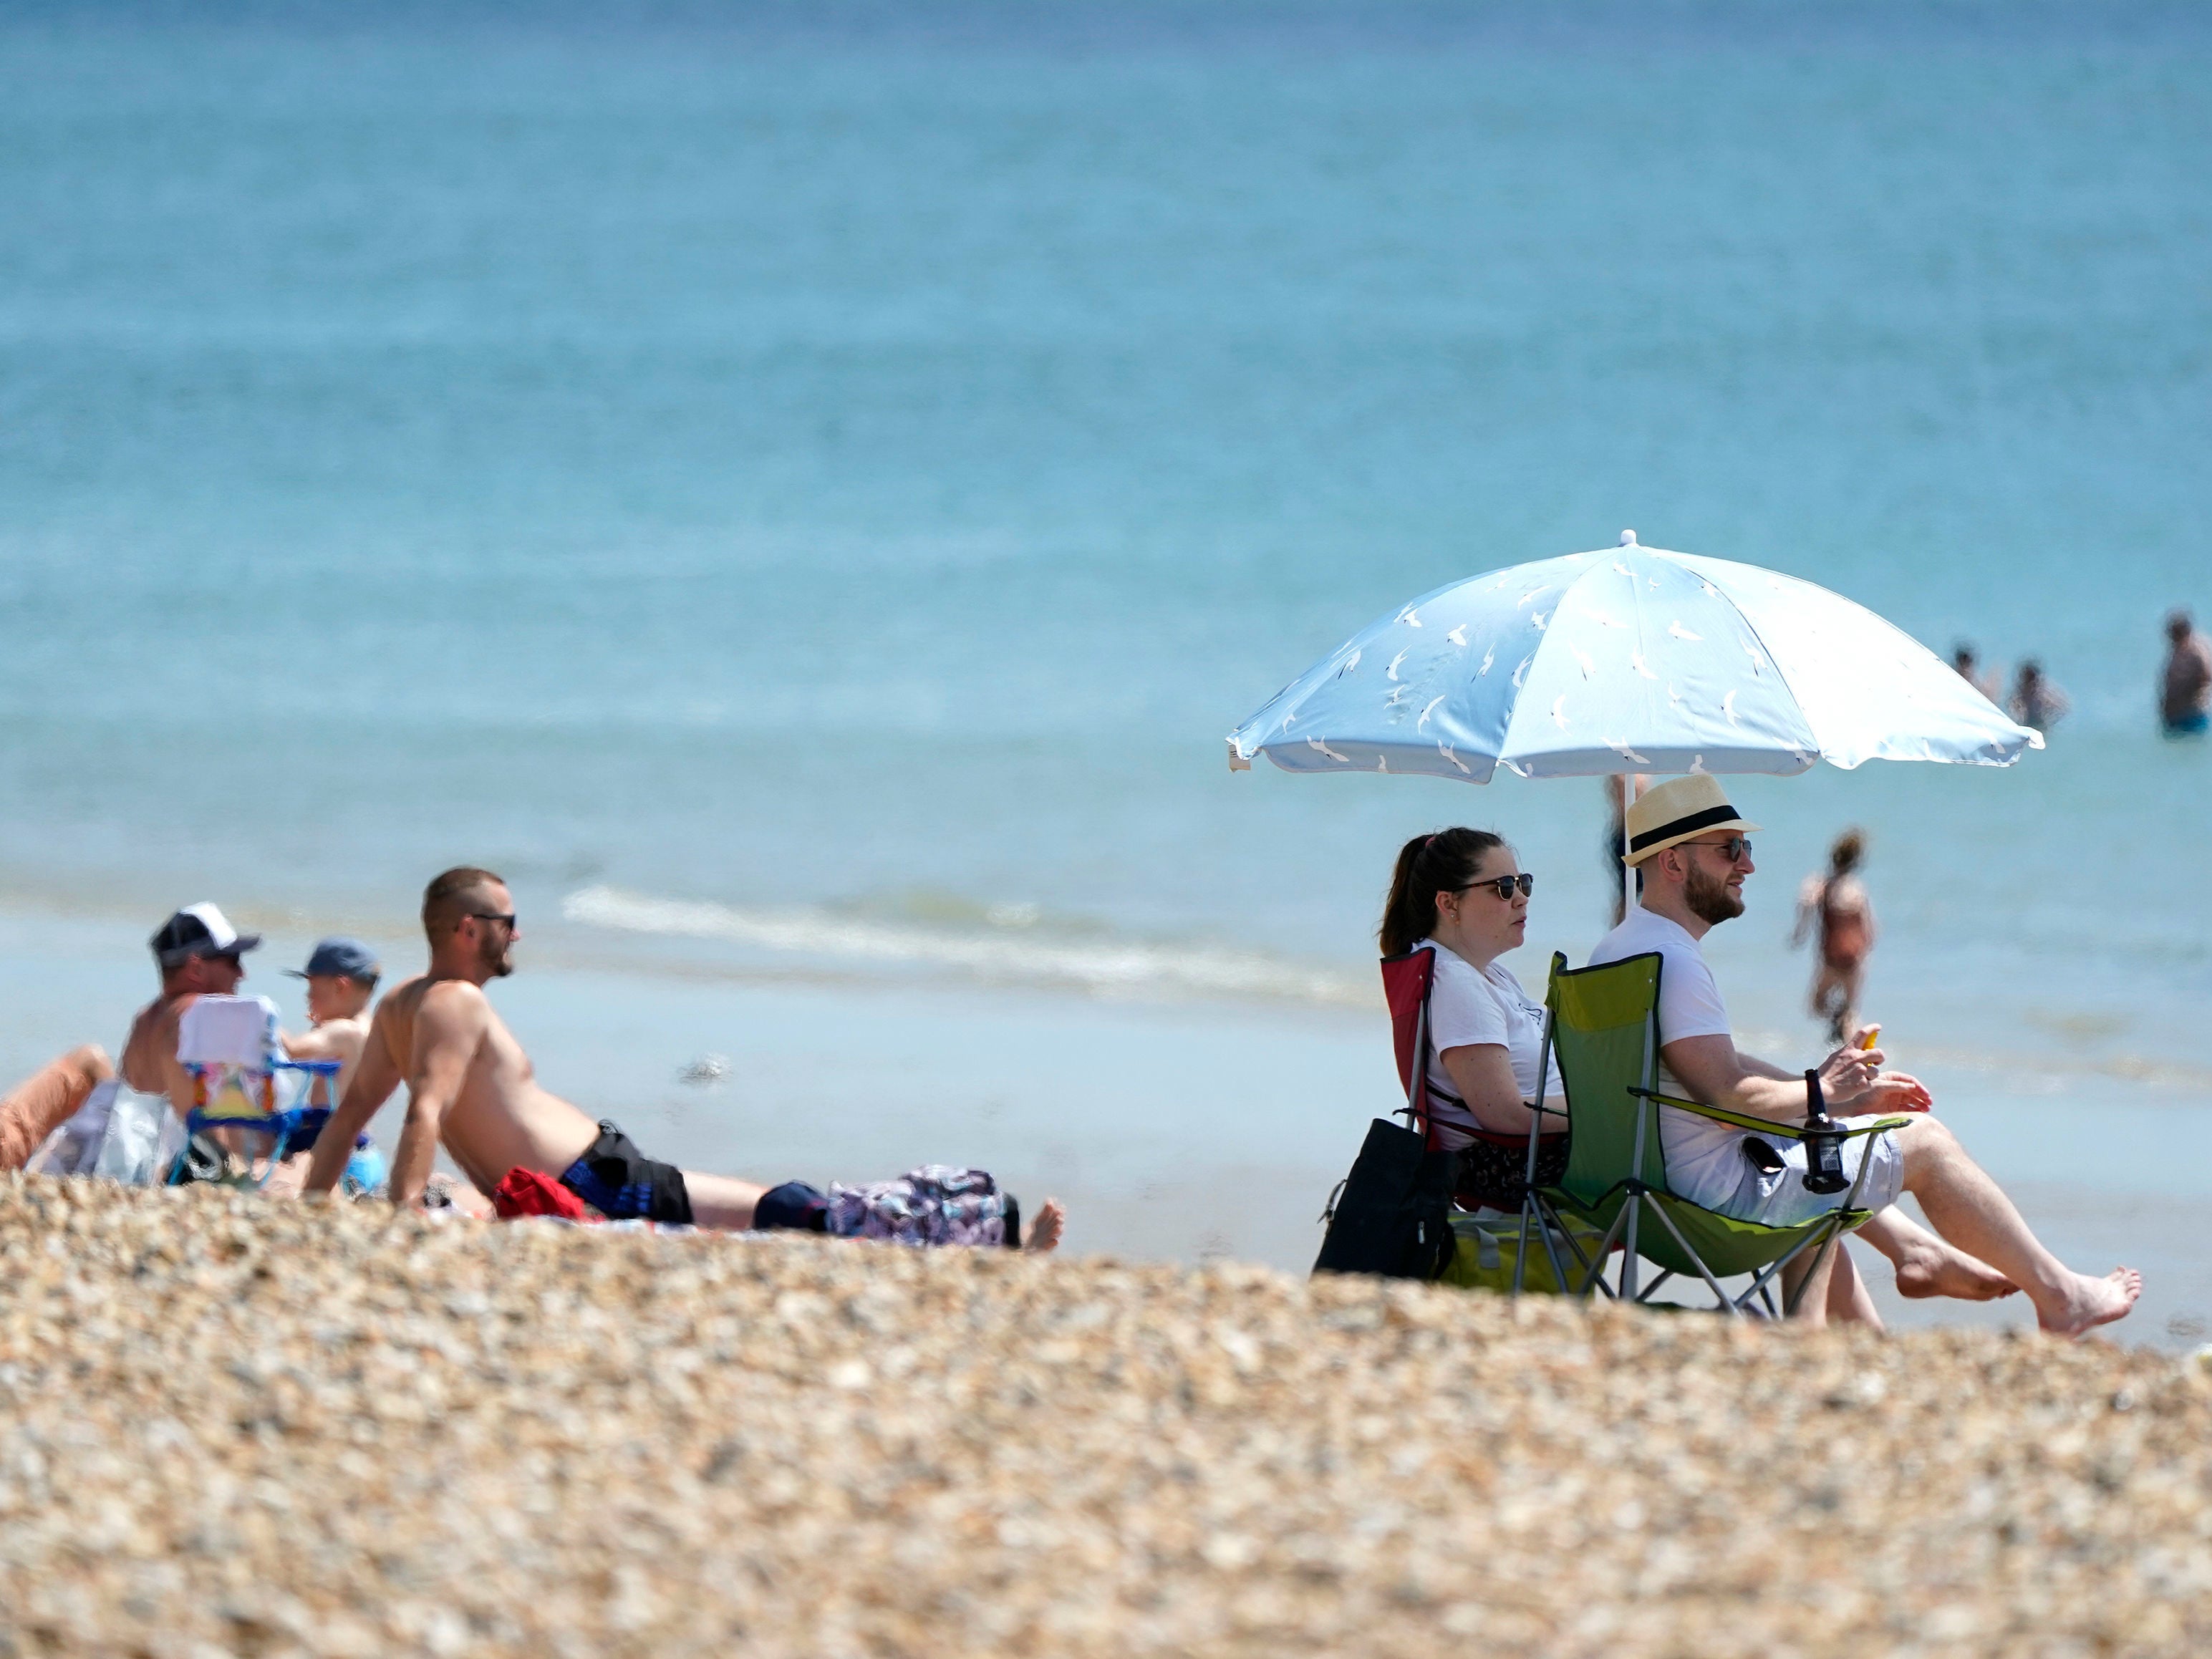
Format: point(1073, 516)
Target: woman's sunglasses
point(1505, 886)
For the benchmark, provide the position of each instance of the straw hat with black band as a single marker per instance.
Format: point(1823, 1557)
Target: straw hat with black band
point(1675, 811)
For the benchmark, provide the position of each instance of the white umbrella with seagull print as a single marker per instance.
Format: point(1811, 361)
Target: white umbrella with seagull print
point(1629, 660)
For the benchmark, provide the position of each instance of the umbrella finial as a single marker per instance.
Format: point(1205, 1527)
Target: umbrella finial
point(1628, 538)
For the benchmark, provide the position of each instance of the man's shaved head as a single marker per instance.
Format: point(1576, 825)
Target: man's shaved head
point(458, 892)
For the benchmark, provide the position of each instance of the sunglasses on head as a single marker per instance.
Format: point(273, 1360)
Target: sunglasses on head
point(1505, 886)
point(493, 915)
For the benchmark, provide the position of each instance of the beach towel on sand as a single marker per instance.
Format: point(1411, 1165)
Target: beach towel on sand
point(118, 1133)
point(936, 1204)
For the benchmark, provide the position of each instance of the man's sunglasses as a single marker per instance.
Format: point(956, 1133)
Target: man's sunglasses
point(1733, 848)
point(1505, 886)
point(487, 915)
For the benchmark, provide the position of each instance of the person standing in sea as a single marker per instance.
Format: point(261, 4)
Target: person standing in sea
point(1963, 659)
point(2036, 701)
point(1835, 911)
point(2184, 689)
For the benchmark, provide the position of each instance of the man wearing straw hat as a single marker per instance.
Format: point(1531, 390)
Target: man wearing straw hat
point(1693, 851)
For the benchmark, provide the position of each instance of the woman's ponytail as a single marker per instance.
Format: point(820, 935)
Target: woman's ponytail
point(1427, 865)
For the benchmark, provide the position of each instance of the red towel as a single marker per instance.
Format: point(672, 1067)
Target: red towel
point(526, 1191)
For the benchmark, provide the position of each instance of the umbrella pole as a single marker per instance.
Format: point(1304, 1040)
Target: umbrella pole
point(1631, 790)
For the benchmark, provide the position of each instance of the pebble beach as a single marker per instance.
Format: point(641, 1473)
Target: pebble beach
point(235, 1425)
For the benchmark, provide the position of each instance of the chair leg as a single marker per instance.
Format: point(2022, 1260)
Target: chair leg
point(1771, 1272)
point(1703, 1273)
point(1520, 1250)
point(1827, 1238)
point(1548, 1216)
point(1652, 1289)
point(1634, 1207)
point(1605, 1248)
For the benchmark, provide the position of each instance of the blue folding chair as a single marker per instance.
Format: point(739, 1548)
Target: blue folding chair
point(242, 1082)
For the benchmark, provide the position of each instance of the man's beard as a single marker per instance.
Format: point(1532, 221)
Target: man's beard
point(1709, 898)
point(496, 956)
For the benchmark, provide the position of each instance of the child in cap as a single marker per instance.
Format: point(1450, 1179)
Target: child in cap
point(341, 974)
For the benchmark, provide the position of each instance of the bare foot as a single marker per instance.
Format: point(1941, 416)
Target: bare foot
point(2093, 1302)
point(1044, 1227)
point(1936, 1268)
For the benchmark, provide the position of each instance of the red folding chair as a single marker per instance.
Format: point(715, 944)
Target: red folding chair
point(1407, 983)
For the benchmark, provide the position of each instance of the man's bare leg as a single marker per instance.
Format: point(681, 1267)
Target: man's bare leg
point(1929, 1266)
point(50, 1096)
point(1968, 1208)
point(1816, 1279)
point(1044, 1227)
point(1848, 1303)
point(721, 1201)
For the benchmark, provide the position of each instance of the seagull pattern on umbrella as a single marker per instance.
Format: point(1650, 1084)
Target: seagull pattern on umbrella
point(1631, 658)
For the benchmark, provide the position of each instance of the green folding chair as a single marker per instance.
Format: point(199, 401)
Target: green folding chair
point(1604, 1029)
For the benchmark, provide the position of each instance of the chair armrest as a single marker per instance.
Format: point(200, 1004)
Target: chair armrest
point(1764, 1124)
point(1718, 1114)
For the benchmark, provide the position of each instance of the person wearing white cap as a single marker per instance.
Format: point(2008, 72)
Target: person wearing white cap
point(199, 954)
point(1693, 850)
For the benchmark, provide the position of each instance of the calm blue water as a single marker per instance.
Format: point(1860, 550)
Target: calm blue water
point(847, 470)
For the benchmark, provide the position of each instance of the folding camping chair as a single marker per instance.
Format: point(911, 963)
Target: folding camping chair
point(242, 1081)
point(1604, 1028)
point(1482, 1242)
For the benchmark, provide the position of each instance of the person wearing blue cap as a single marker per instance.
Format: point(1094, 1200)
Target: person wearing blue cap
point(341, 974)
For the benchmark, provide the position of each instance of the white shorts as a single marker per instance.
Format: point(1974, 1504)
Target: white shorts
point(1780, 1200)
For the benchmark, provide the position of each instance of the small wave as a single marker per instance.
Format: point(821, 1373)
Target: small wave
point(1013, 954)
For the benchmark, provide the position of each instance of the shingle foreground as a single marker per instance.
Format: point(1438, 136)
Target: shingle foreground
point(232, 1424)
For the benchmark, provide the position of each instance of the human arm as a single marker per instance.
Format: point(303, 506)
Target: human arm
point(449, 1024)
point(1852, 1080)
point(374, 1079)
point(317, 1043)
point(1482, 1075)
point(1809, 911)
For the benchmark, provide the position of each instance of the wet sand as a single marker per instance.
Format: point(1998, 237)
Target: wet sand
point(232, 1424)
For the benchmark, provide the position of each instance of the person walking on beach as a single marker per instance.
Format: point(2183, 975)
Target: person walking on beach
point(2184, 689)
point(471, 1088)
point(1835, 912)
point(2035, 700)
point(1694, 851)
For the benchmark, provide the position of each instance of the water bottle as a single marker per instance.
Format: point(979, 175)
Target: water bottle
point(1824, 1143)
point(366, 1170)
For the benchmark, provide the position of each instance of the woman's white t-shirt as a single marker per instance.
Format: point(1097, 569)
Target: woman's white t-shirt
point(1469, 1005)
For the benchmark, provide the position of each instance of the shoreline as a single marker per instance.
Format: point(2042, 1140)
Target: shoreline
point(1191, 1133)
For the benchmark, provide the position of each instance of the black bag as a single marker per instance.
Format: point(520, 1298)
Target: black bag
point(1392, 1214)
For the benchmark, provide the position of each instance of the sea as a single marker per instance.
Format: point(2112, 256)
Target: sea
point(804, 491)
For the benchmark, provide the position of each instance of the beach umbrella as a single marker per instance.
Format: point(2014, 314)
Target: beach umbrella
point(1630, 658)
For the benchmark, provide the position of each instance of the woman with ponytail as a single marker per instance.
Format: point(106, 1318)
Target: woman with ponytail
point(1463, 892)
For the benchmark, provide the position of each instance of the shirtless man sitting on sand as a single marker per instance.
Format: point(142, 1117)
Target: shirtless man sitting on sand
point(470, 1087)
point(199, 954)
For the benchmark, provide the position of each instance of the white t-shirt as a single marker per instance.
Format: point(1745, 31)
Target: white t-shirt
point(1467, 1004)
point(1703, 1163)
